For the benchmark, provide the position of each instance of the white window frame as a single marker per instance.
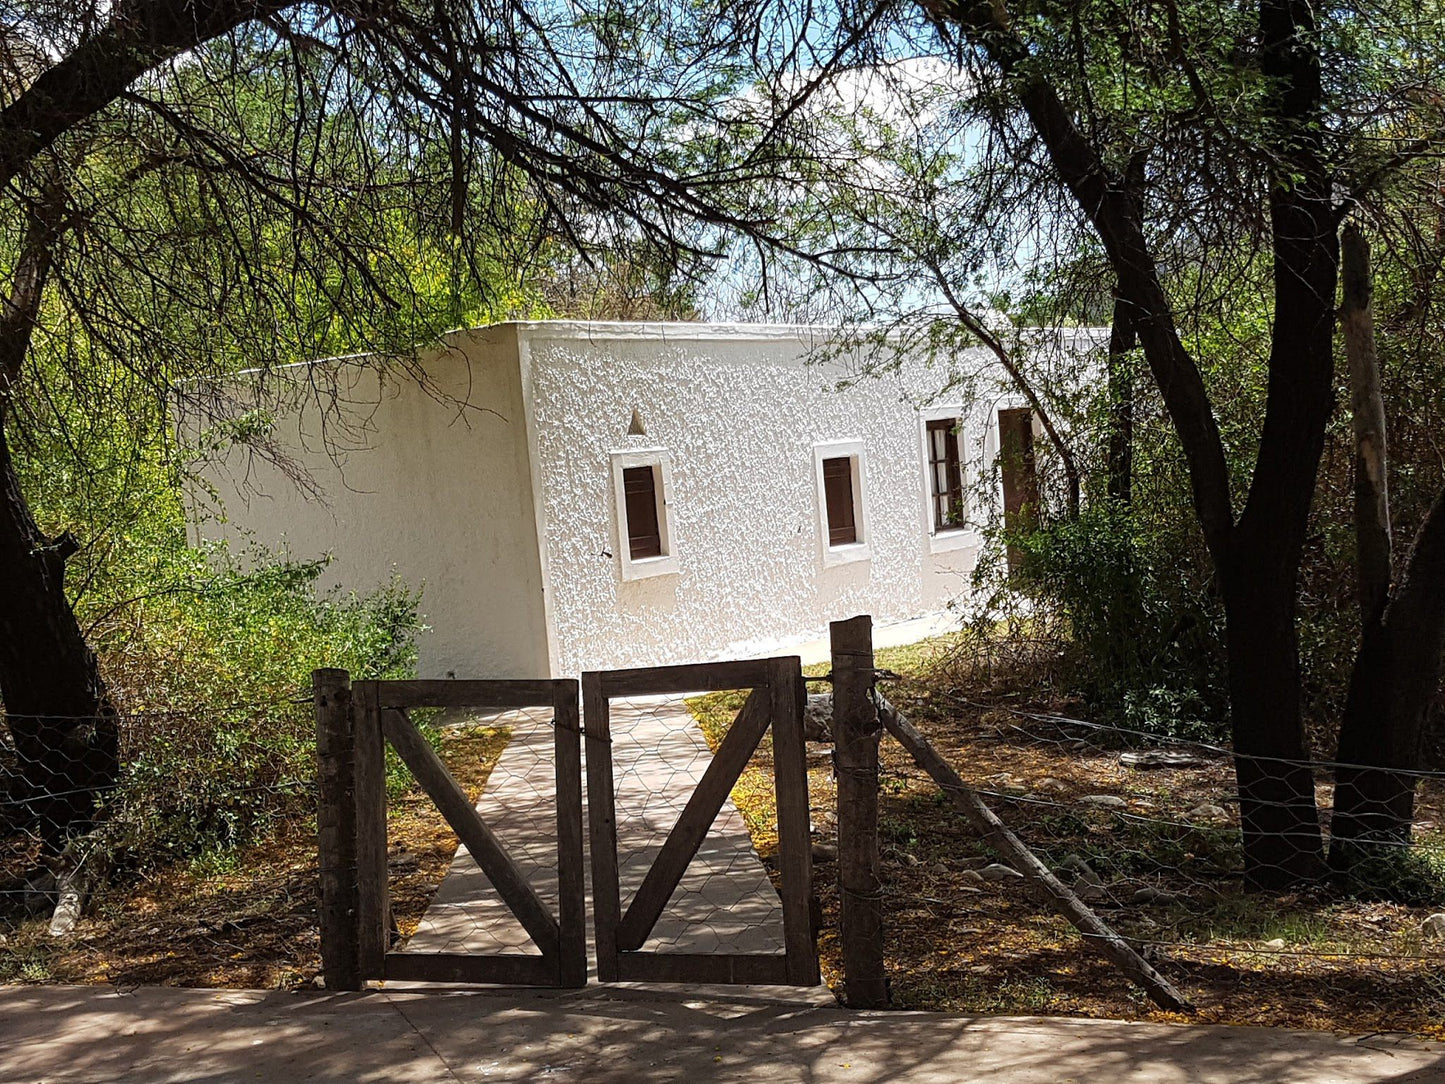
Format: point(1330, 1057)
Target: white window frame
point(851, 551)
point(661, 463)
point(953, 538)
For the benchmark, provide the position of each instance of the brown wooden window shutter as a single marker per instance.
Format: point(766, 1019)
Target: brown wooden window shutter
point(644, 538)
point(945, 474)
point(1020, 477)
point(838, 497)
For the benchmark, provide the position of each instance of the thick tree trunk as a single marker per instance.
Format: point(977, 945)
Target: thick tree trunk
point(1282, 840)
point(60, 718)
point(1373, 566)
point(1396, 676)
point(1257, 556)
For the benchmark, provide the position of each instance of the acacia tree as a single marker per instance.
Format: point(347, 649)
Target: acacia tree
point(1264, 123)
point(154, 211)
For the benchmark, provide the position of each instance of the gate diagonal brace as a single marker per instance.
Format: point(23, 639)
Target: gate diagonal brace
point(509, 881)
point(696, 818)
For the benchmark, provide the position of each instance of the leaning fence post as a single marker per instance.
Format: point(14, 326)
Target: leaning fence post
point(856, 730)
point(336, 827)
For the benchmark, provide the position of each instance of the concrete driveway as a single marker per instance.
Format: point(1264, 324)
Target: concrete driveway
point(57, 1034)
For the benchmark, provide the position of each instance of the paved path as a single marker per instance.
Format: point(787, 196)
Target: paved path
point(725, 902)
point(68, 1035)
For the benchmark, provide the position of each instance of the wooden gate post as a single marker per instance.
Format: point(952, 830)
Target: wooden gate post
point(373, 907)
point(856, 730)
point(336, 827)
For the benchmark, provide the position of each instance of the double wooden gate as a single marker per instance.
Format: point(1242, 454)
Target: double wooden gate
point(356, 721)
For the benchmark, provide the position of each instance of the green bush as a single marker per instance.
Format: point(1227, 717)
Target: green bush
point(218, 741)
point(1125, 608)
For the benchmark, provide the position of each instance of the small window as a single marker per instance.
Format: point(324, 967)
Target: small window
point(644, 537)
point(642, 485)
point(945, 474)
point(838, 496)
point(842, 503)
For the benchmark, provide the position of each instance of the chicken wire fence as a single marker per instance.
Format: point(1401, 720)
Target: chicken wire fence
point(96, 806)
point(194, 783)
point(725, 902)
point(1147, 832)
point(504, 760)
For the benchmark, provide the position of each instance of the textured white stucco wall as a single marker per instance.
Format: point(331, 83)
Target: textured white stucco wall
point(431, 482)
point(739, 413)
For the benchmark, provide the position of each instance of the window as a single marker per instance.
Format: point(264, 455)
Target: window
point(1019, 476)
point(838, 497)
point(943, 461)
point(842, 521)
point(945, 474)
point(642, 486)
point(644, 537)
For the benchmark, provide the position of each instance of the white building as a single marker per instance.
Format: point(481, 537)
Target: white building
point(574, 496)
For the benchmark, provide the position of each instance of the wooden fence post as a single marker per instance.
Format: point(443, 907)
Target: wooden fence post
point(373, 907)
point(856, 730)
point(336, 827)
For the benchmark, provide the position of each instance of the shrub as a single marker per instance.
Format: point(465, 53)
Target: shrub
point(213, 676)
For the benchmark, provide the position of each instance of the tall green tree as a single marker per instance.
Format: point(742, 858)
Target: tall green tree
point(187, 183)
point(1260, 127)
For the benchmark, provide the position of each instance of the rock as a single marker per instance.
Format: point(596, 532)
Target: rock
point(818, 717)
point(1434, 926)
point(1276, 945)
point(999, 872)
point(1163, 758)
point(971, 877)
point(1103, 801)
point(1155, 896)
point(1049, 783)
point(939, 867)
point(1081, 873)
point(1207, 811)
point(825, 852)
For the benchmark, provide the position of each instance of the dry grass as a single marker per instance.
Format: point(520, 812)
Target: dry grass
point(955, 943)
point(245, 918)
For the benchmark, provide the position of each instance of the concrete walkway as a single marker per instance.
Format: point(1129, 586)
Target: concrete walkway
point(725, 902)
point(60, 1035)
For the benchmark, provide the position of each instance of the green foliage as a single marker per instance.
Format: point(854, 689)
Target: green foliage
point(218, 739)
point(1144, 631)
point(1414, 875)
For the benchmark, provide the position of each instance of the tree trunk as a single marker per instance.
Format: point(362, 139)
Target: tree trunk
point(60, 718)
point(1367, 409)
point(1257, 557)
point(1282, 840)
point(1119, 460)
point(1395, 678)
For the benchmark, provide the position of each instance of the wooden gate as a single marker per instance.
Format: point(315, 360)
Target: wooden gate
point(355, 914)
point(776, 701)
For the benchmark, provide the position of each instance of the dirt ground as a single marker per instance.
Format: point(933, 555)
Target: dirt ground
point(1162, 847)
point(247, 918)
point(1161, 843)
